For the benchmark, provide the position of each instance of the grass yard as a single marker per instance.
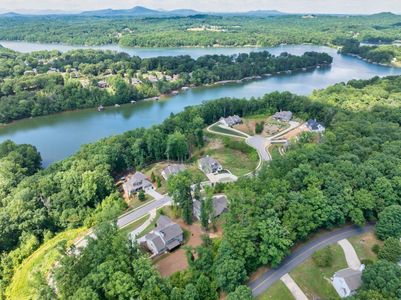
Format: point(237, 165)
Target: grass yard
point(233, 153)
point(133, 201)
point(134, 224)
point(219, 129)
point(363, 245)
point(278, 291)
point(40, 262)
point(315, 281)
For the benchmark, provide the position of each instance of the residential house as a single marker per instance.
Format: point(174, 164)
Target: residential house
point(220, 206)
point(209, 165)
point(172, 170)
point(153, 78)
point(284, 116)
point(315, 126)
point(347, 281)
point(102, 84)
point(136, 183)
point(230, 121)
point(165, 237)
point(135, 81)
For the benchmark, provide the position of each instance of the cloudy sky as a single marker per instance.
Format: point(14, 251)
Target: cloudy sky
point(315, 6)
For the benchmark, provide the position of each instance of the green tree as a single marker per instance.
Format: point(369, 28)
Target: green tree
point(242, 292)
point(141, 195)
point(391, 250)
point(383, 277)
point(389, 223)
point(179, 187)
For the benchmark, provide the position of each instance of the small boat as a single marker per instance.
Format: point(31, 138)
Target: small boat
point(117, 105)
point(100, 108)
point(185, 88)
point(174, 92)
point(133, 102)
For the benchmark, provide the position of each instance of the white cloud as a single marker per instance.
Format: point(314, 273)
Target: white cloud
point(316, 6)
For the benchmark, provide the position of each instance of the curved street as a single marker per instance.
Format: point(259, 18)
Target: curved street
point(261, 284)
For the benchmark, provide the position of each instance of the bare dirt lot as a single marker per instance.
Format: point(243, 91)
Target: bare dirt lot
point(177, 261)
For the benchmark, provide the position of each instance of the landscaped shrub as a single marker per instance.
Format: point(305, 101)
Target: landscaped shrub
point(323, 258)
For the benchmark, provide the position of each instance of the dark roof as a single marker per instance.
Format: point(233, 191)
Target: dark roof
point(353, 278)
point(172, 245)
point(313, 124)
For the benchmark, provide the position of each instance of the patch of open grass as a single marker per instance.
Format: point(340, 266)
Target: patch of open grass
point(315, 281)
point(134, 225)
point(40, 262)
point(219, 129)
point(236, 161)
point(363, 245)
point(278, 291)
point(133, 202)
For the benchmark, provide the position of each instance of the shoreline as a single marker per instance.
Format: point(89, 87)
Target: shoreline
point(173, 93)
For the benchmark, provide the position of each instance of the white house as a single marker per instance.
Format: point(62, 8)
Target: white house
point(347, 281)
point(136, 183)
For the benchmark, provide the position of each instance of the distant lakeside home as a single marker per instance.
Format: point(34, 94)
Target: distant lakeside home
point(172, 170)
point(230, 121)
point(165, 237)
point(315, 126)
point(283, 116)
point(136, 183)
point(209, 165)
point(219, 203)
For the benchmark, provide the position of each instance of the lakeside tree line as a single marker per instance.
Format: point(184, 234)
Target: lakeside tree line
point(382, 54)
point(351, 175)
point(42, 83)
point(230, 31)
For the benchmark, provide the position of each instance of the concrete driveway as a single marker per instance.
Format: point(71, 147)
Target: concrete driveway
point(350, 255)
point(261, 284)
point(154, 194)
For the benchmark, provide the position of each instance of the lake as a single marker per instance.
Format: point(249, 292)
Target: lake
point(58, 136)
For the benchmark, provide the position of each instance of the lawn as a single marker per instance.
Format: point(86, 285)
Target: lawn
point(278, 291)
point(363, 245)
point(219, 129)
point(40, 262)
point(234, 154)
point(135, 224)
point(315, 281)
point(133, 201)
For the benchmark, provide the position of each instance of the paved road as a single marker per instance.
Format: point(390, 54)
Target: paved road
point(142, 211)
point(259, 285)
point(259, 143)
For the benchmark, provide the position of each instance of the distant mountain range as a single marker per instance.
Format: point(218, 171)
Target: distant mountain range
point(140, 11)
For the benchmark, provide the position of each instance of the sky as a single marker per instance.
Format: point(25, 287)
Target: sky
point(294, 6)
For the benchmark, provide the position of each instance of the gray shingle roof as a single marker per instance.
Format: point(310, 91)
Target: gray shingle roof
point(353, 278)
point(157, 241)
point(173, 169)
point(283, 115)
